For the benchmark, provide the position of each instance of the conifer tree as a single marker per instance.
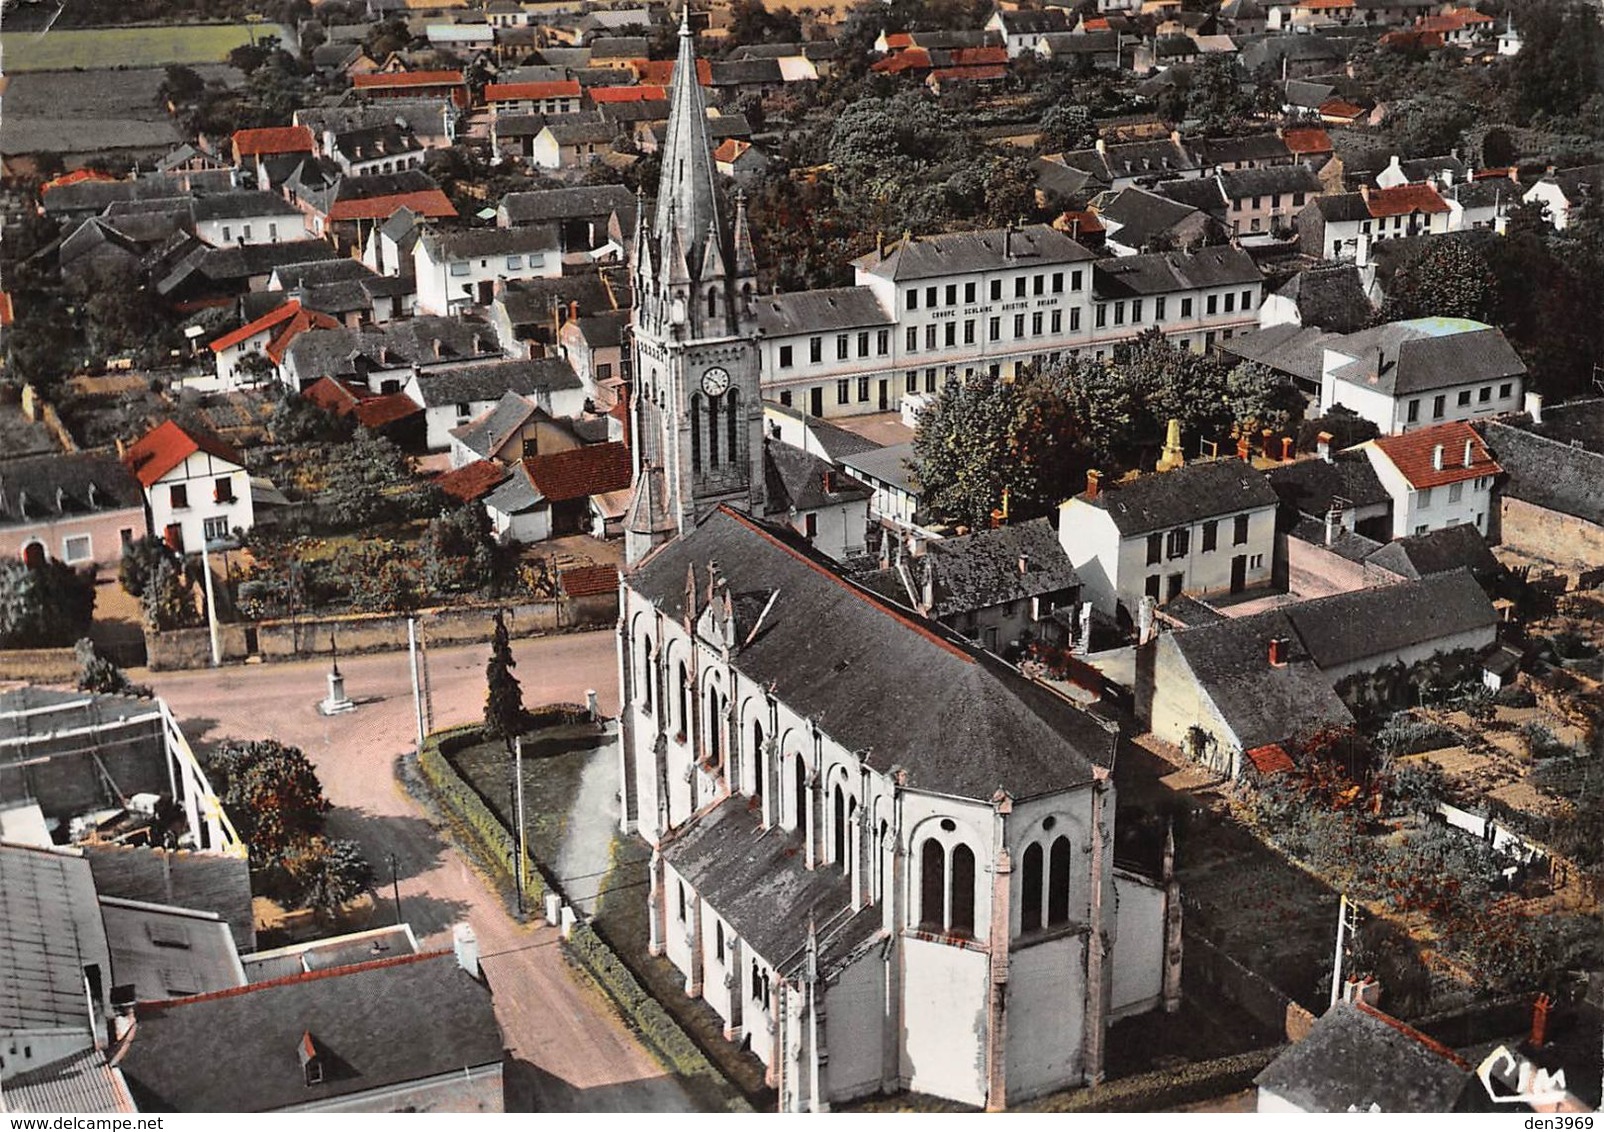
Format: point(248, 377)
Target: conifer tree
point(504, 703)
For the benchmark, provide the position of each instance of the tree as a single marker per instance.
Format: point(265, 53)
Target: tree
point(97, 674)
point(273, 795)
point(1449, 278)
point(504, 703)
point(295, 420)
point(1067, 126)
point(458, 553)
point(1346, 428)
point(249, 57)
point(45, 605)
point(169, 598)
point(1260, 398)
point(139, 562)
point(327, 874)
point(182, 86)
point(369, 481)
point(962, 450)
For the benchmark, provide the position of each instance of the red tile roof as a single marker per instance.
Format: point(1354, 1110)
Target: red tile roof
point(978, 56)
point(969, 74)
point(898, 39)
point(431, 203)
point(517, 92)
point(407, 78)
point(581, 472)
point(1414, 454)
point(73, 178)
point(648, 93)
point(730, 149)
point(168, 445)
point(1404, 199)
point(289, 331)
point(1339, 108)
point(1080, 222)
point(913, 59)
point(269, 320)
point(589, 581)
point(6, 313)
point(1097, 23)
point(472, 481)
point(273, 139)
point(387, 408)
point(660, 72)
point(1307, 139)
point(1270, 759)
point(1413, 1035)
point(331, 394)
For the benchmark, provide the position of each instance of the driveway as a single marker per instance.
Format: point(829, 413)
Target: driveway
point(568, 1050)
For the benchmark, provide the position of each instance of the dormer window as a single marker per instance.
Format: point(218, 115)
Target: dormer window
point(311, 1059)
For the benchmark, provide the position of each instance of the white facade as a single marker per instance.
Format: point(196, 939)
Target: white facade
point(1419, 510)
point(447, 282)
point(1398, 413)
point(269, 228)
point(836, 531)
point(203, 499)
point(1207, 555)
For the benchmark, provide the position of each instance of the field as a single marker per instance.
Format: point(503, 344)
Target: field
point(98, 48)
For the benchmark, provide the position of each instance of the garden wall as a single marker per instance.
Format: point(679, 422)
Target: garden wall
point(303, 637)
point(39, 666)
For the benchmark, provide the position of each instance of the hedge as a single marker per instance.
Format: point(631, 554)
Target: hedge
point(490, 838)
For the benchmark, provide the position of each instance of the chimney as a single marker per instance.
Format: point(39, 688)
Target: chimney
point(1244, 449)
point(1470, 451)
point(1540, 1008)
point(1267, 436)
point(1094, 480)
point(1436, 457)
point(466, 946)
point(1364, 192)
point(1278, 652)
point(1024, 564)
point(929, 589)
point(1362, 988)
point(1534, 407)
point(1333, 524)
point(1286, 449)
point(1322, 445)
point(434, 344)
point(879, 245)
point(573, 309)
point(1008, 241)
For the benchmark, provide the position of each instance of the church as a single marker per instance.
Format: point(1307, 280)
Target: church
point(883, 856)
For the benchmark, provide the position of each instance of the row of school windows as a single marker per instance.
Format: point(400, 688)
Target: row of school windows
point(947, 335)
point(946, 295)
point(1439, 403)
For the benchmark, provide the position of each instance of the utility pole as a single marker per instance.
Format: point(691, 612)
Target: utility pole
point(518, 774)
point(412, 666)
point(1344, 909)
point(395, 885)
point(211, 602)
point(428, 693)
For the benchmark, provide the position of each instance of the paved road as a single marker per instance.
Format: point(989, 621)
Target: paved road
point(570, 1051)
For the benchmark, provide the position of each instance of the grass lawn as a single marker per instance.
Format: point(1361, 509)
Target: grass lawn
point(554, 759)
point(94, 48)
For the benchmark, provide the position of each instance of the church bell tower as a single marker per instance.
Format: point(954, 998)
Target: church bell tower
point(698, 408)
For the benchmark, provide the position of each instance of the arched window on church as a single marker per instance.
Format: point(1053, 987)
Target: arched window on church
point(961, 913)
point(1058, 864)
point(696, 432)
point(733, 424)
point(1030, 896)
point(712, 432)
point(646, 680)
point(850, 864)
point(932, 886)
point(715, 733)
point(880, 862)
point(799, 793)
point(759, 767)
point(838, 815)
point(683, 719)
point(712, 302)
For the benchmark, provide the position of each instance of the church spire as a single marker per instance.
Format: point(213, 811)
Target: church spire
point(686, 199)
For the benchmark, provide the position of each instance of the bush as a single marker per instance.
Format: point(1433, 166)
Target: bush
point(1403, 734)
point(44, 606)
point(97, 674)
point(1515, 696)
point(1541, 743)
point(491, 839)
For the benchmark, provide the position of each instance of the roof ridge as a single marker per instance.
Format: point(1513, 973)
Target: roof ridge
point(289, 980)
point(1412, 1034)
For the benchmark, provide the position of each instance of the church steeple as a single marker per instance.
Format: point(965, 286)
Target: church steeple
point(687, 203)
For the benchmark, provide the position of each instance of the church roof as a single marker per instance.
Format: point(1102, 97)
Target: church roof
point(686, 198)
point(845, 659)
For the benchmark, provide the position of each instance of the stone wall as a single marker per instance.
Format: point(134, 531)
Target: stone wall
point(379, 632)
point(39, 666)
point(1566, 541)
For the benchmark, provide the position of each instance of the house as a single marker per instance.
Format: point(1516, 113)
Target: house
point(1564, 192)
point(586, 488)
point(1003, 588)
point(251, 146)
point(739, 160)
point(1195, 298)
point(461, 39)
point(572, 145)
point(513, 429)
point(265, 338)
point(1329, 298)
point(383, 358)
point(1310, 145)
point(826, 506)
point(321, 1040)
point(458, 269)
point(197, 490)
point(414, 85)
point(588, 218)
point(1440, 172)
point(518, 512)
point(1440, 476)
point(528, 317)
point(890, 471)
point(1122, 164)
point(246, 217)
point(1101, 48)
point(1136, 220)
point(453, 395)
point(594, 346)
point(1022, 31)
point(80, 508)
point(203, 275)
point(1408, 375)
point(1358, 1059)
point(386, 148)
point(344, 208)
point(1481, 203)
point(547, 98)
point(1550, 505)
point(1267, 199)
point(1201, 529)
point(1249, 151)
point(432, 121)
point(1341, 490)
point(1439, 551)
point(1331, 225)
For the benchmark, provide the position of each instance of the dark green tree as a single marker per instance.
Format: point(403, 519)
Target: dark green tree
point(168, 600)
point(327, 873)
point(43, 606)
point(273, 794)
point(504, 701)
point(458, 552)
point(1449, 278)
point(139, 562)
point(369, 481)
point(98, 674)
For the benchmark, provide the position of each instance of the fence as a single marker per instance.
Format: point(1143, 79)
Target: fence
point(297, 638)
point(1266, 1003)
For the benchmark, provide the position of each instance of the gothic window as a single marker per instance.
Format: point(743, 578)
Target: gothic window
point(715, 733)
point(712, 303)
point(799, 793)
point(684, 679)
point(759, 767)
point(696, 432)
point(932, 886)
point(732, 409)
point(880, 861)
point(1030, 910)
point(839, 821)
point(961, 910)
point(1058, 864)
point(712, 432)
point(646, 680)
point(718, 942)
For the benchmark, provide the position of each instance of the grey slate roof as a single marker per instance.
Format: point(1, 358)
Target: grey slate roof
point(1065, 180)
point(1202, 193)
point(1240, 183)
point(838, 443)
point(1342, 207)
point(1252, 147)
point(1384, 620)
point(894, 465)
point(1230, 659)
point(47, 487)
point(844, 658)
point(1547, 473)
point(426, 116)
point(1307, 95)
point(443, 246)
point(516, 494)
point(982, 569)
point(1160, 272)
point(379, 1025)
point(528, 302)
point(368, 143)
point(332, 353)
point(833, 308)
point(1425, 354)
point(489, 380)
point(1142, 215)
point(240, 205)
point(796, 480)
point(1355, 1057)
point(989, 250)
point(1310, 485)
point(1286, 348)
point(1436, 552)
point(49, 932)
point(166, 952)
point(1331, 298)
point(231, 267)
point(1191, 494)
point(1573, 422)
point(490, 430)
point(580, 202)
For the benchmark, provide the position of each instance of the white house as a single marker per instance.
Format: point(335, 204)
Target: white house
point(460, 269)
point(196, 487)
point(454, 395)
point(1562, 190)
point(1413, 374)
point(889, 471)
point(1438, 477)
point(386, 148)
point(1025, 31)
point(563, 97)
point(824, 505)
point(1206, 528)
point(247, 217)
point(265, 339)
